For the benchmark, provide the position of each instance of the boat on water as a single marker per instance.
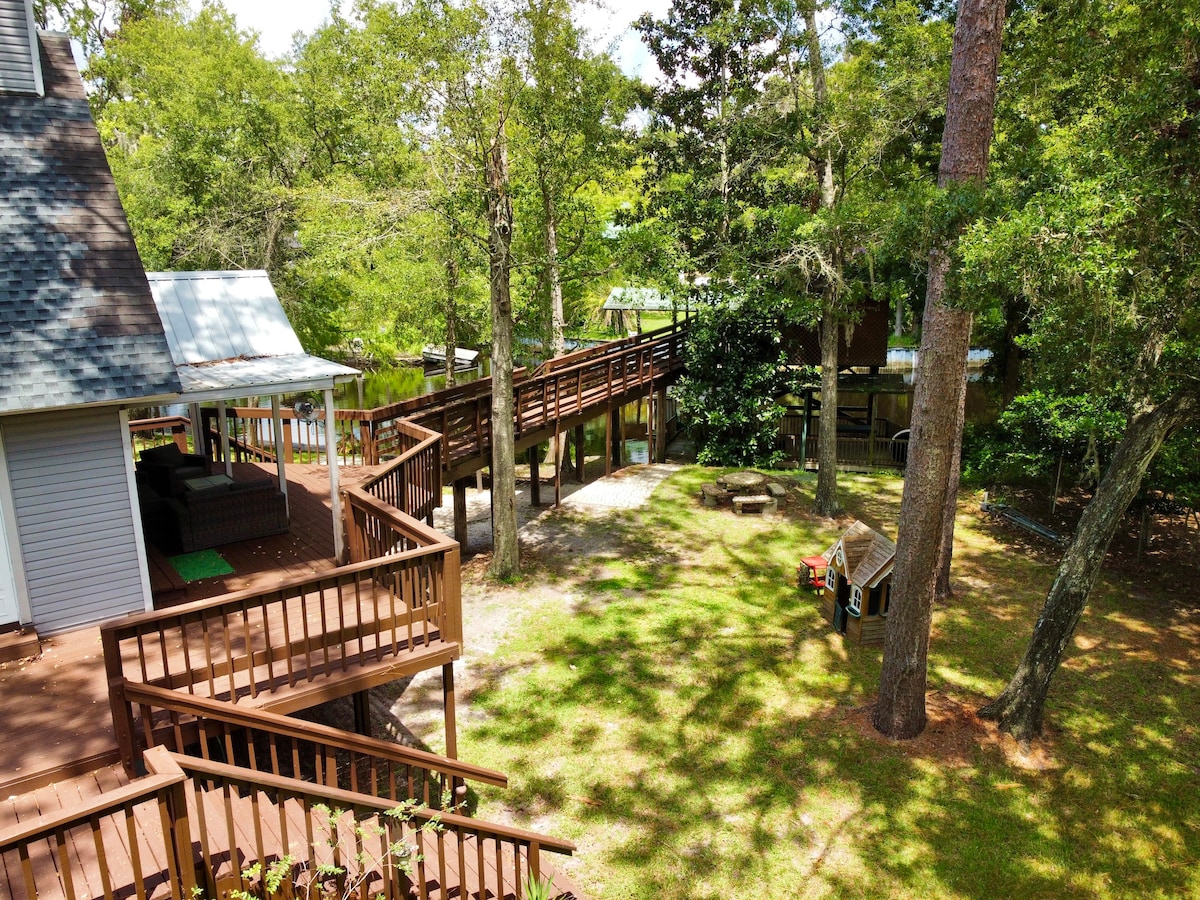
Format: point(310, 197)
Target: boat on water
point(463, 358)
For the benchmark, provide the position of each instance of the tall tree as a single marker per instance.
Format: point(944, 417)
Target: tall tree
point(1106, 239)
point(830, 322)
point(945, 342)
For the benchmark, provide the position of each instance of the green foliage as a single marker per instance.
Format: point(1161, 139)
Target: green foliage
point(539, 888)
point(736, 370)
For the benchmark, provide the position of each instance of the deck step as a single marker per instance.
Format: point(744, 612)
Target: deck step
point(19, 644)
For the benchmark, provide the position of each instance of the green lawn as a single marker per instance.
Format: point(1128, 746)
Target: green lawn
point(690, 721)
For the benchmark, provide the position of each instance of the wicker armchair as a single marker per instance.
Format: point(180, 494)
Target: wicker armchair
point(166, 468)
point(227, 513)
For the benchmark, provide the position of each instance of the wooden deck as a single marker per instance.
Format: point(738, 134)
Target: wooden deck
point(55, 714)
point(259, 564)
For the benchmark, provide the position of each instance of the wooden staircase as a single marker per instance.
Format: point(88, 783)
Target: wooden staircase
point(197, 828)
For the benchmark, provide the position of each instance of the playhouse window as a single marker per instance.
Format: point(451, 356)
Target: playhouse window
point(856, 601)
point(831, 578)
point(887, 599)
point(873, 600)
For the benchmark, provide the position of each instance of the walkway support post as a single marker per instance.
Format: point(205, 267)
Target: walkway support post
point(535, 478)
point(660, 429)
point(460, 511)
point(579, 453)
point(608, 442)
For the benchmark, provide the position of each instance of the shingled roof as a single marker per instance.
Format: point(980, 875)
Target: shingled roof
point(78, 325)
point(869, 555)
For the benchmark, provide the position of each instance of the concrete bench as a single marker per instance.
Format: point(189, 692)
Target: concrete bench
point(754, 503)
point(714, 495)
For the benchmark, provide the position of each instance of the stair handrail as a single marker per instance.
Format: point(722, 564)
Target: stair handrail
point(201, 710)
point(202, 771)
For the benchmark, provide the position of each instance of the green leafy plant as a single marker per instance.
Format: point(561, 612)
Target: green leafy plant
point(736, 370)
point(539, 888)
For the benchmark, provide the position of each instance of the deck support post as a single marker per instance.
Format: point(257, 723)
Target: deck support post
point(660, 427)
point(335, 498)
point(277, 427)
point(579, 453)
point(199, 438)
point(362, 712)
point(448, 705)
point(535, 478)
point(223, 428)
point(460, 511)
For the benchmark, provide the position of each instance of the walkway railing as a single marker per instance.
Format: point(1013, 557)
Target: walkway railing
point(578, 385)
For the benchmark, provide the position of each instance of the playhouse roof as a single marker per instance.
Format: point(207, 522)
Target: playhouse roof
point(869, 555)
point(77, 322)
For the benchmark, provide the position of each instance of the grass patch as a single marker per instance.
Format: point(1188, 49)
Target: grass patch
point(695, 726)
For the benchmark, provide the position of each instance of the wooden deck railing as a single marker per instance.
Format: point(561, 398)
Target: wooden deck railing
point(280, 745)
point(125, 842)
point(877, 452)
point(413, 482)
point(308, 640)
point(380, 850)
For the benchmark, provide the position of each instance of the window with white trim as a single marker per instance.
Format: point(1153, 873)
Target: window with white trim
point(856, 600)
point(831, 578)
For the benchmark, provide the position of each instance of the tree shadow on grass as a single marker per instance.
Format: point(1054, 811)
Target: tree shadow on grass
point(696, 726)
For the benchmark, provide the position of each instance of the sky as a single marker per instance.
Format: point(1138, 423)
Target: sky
point(276, 21)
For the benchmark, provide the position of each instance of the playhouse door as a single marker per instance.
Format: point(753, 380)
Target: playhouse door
point(840, 614)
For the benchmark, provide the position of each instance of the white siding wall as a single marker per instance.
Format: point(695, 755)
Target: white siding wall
point(75, 521)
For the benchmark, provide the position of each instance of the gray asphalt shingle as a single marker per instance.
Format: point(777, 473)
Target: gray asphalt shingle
point(77, 321)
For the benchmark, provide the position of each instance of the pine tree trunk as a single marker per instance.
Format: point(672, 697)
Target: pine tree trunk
point(827, 497)
point(941, 368)
point(451, 321)
point(1020, 706)
point(558, 319)
point(558, 322)
point(942, 591)
point(505, 554)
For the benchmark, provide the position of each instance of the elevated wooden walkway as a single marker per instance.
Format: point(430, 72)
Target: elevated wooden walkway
point(562, 394)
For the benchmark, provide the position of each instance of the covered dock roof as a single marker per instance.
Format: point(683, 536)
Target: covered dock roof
point(637, 298)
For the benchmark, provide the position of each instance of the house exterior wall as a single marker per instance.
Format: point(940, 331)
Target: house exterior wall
point(75, 518)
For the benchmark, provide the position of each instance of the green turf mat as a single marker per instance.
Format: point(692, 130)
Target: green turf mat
point(201, 564)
